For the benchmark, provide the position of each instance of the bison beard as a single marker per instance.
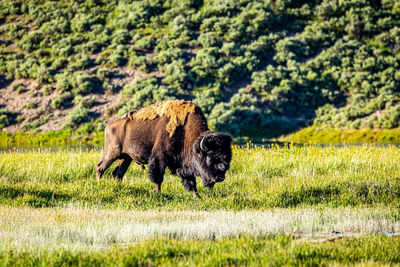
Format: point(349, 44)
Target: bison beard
point(184, 145)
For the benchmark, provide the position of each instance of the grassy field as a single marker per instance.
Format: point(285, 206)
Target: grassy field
point(281, 205)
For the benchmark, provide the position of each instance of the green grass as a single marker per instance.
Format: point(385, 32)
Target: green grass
point(258, 179)
point(277, 206)
point(261, 251)
point(326, 135)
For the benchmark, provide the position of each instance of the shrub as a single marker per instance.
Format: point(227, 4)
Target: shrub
point(145, 43)
point(31, 41)
point(83, 84)
point(77, 116)
point(6, 117)
point(30, 105)
point(205, 63)
point(44, 75)
point(60, 102)
point(143, 63)
point(86, 102)
point(208, 39)
point(47, 90)
point(81, 62)
point(18, 87)
point(59, 63)
point(143, 93)
point(63, 83)
point(104, 73)
point(176, 75)
point(167, 56)
point(121, 37)
point(117, 59)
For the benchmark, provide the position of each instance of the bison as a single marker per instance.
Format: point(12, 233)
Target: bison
point(171, 134)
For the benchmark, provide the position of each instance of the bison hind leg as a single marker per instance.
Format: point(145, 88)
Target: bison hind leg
point(122, 167)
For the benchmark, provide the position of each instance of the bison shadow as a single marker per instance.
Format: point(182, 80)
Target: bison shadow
point(34, 197)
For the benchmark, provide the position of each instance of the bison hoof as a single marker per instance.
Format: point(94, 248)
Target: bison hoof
point(196, 195)
point(158, 187)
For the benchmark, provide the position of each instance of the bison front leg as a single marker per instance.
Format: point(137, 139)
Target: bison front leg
point(190, 185)
point(188, 182)
point(156, 171)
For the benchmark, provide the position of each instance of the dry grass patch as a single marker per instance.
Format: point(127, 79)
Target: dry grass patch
point(77, 228)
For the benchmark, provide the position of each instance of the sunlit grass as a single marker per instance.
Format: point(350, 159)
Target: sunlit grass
point(328, 135)
point(278, 205)
point(273, 250)
point(259, 178)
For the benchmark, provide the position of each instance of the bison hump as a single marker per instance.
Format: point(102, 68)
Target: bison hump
point(175, 110)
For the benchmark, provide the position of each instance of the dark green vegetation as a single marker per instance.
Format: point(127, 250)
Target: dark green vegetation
point(277, 65)
point(244, 251)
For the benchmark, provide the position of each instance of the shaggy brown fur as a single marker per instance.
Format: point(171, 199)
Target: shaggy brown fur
point(175, 110)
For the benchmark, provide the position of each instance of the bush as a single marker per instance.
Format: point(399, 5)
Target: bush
point(63, 82)
point(145, 43)
point(83, 85)
point(208, 39)
point(81, 62)
point(6, 117)
point(121, 37)
point(31, 41)
point(47, 90)
point(18, 87)
point(175, 75)
point(144, 93)
point(77, 116)
point(86, 102)
point(104, 73)
point(60, 102)
point(30, 105)
point(143, 63)
point(59, 63)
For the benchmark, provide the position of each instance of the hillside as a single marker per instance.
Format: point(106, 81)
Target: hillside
point(260, 68)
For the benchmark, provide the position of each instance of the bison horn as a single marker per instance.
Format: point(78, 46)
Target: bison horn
point(202, 145)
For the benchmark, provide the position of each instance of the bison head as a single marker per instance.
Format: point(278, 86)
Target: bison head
point(211, 157)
